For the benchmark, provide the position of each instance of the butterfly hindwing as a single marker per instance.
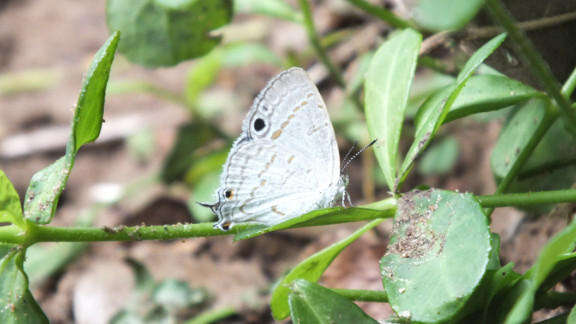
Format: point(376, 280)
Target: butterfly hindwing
point(286, 161)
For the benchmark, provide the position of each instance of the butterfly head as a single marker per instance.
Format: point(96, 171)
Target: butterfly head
point(216, 208)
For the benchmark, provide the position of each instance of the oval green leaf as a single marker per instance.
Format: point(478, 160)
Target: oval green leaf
point(163, 32)
point(386, 89)
point(439, 15)
point(311, 269)
point(437, 234)
point(311, 303)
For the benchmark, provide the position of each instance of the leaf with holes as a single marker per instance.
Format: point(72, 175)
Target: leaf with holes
point(436, 234)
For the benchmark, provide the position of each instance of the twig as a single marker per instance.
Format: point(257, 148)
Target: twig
point(541, 23)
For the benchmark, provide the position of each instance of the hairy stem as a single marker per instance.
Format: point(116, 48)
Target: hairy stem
point(528, 198)
point(378, 296)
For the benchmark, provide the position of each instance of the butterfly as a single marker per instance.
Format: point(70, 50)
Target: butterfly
point(286, 161)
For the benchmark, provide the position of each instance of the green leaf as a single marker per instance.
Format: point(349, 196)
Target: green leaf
point(47, 185)
point(190, 138)
point(440, 15)
point(242, 54)
point(163, 32)
point(311, 303)
point(426, 84)
point(564, 266)
point(386, 88)
point(433, 112)
point(437, 234)
point(10, 208)
point(143, 281)
point(176, 295)
point(273, 8)
point(515, 135)
point(202, 75)
point(17, 304)
point(89, 112)
point(488, 92)
point(440, 158)
point(479, 57)
point(523, 294)
point(327, 216)
point(311, 269)
point(550, 165)
point(497, 282)
point(572, 316)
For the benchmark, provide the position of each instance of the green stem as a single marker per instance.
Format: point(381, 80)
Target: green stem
point(315, 40)
point(378, 296)
point(42, 233)
point(212, 315)
point(381, 13)
point(548, 120)
point(528, 198)
point(533, 60)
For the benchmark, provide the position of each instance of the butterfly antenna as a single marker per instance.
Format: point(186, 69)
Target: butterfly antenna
point(345, 159)
point(347, 162)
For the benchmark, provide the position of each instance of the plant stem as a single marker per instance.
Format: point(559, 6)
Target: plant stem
point(541, 23)
point(378, 296)
point(533, 60)
point(43, 233)
point(212, 315)
point(528, 198)
point(315, 40)
point(381, 13)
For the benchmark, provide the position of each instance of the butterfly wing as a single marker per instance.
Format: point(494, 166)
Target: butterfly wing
point(286, 161)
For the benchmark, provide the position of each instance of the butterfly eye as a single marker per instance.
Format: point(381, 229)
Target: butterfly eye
point(259, 124)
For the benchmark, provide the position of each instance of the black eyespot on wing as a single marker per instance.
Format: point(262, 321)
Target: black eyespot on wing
point(226, 226)
point(228, 193)
point(259, 124)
